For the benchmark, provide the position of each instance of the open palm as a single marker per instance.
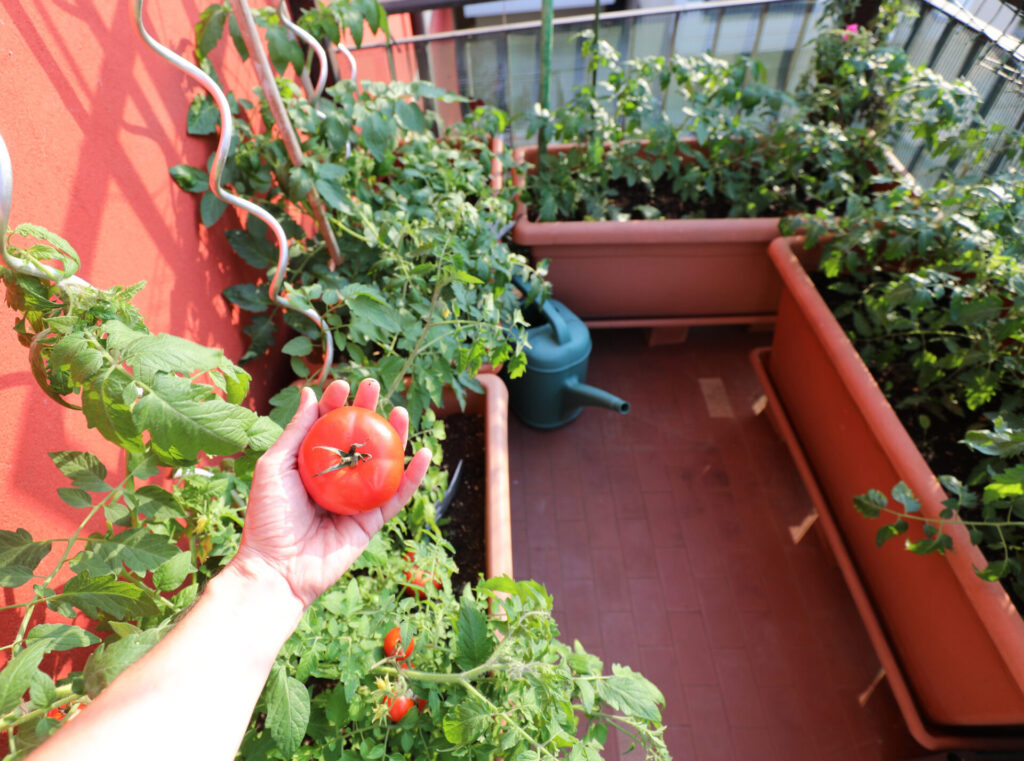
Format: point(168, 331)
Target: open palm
point(310, 547)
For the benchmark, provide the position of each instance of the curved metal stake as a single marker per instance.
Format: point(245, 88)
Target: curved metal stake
point(216, 172)
point(313, 42)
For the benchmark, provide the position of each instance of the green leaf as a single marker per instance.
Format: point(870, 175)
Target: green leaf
point(902, 494)
point(410, 115)
point(299, 346)
point(181, 425)
point(287, 701)
point(211, 209)
point(465, 277)
point(870, 505)
point(137, 548)
point(238, 39)
point(248, 296)
point(203, 116)
point(256, 250)
point(466, 723)
point(172, 573)
point(74, 497)
point(120, 599)
point(473, 645)
point(61, 636)
point(885, 533)
point(629, 692)
point(157, 504)
point(17, 675)
point(377, 133)
point(283, 49)
point(110, 659)
point(210, 29)
point(190, 178)
point(19, 556)
point(83, 468)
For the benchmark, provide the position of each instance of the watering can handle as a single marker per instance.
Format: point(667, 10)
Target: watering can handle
point(558, 324)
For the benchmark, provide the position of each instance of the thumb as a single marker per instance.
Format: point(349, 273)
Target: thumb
point(287, 444)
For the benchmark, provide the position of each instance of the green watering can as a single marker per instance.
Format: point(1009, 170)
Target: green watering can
point(552, 391)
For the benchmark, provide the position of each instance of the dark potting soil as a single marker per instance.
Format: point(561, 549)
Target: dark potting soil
point(464, 523)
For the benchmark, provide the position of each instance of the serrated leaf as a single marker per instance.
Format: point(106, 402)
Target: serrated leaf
point(147, 353)
point(61, 636)
point(106, 400)
point(287, 702)
point(629, 692)
point(181, 425)
point(137, 548)
point(17, 675)
point(120, 599)
point(473, 644)
point(19, 556)
point(871, 504)
point(902, 494)
point(157, 504)
point(110, 659)
point(376, 133)
point(74, 497)
point(256, 250)
point(83, 468)
point(172, 573)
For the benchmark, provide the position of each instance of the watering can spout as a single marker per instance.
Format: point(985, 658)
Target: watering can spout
point(578, 394)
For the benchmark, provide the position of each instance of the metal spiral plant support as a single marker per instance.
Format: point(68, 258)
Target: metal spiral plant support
point(34, 269)
point(314, 93)
point(216, 171)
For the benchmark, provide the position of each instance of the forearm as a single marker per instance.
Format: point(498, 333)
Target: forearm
point(192, 695)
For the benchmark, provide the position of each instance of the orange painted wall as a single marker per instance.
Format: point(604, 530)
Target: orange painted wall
point(93, 118)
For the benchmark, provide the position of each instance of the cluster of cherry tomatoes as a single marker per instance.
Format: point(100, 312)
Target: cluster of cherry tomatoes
point(398, 706)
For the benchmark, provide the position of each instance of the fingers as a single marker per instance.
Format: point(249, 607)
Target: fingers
point(334, 396)
point(399, 419)
point(287, 445)
point(367, 395)
point(411, 480)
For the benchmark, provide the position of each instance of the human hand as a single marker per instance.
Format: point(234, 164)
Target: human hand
point(286, 531)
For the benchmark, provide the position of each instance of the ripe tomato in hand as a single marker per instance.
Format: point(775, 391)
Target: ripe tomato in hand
point(399, 707)
point(393, 645)
point(351, 461)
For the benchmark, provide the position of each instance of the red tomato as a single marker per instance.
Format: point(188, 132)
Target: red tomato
point(351, 461)
point(416, 579)
point(399, 707)
point(421, 704)
point(393, 645)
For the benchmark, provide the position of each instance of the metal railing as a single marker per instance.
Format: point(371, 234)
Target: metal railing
point(980, 40)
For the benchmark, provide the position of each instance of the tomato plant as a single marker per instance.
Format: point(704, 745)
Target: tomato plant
point(417, 579)
point(393, 645)
point(351, 461)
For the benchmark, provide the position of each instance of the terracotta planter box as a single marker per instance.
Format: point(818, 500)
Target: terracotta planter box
point(655, 272)
point(493, 405)
point(951, 644)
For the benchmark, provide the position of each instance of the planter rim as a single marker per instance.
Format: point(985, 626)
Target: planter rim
point(498, 515)
point(717, 229)
point(991, 602)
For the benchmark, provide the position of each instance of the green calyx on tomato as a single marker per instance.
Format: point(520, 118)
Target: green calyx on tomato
point(351, 461)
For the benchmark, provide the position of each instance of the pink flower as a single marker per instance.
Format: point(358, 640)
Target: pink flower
point(851, 29)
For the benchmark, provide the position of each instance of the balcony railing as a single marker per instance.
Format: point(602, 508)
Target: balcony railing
point(980, 40)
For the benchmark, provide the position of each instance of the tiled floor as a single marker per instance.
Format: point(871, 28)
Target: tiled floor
point(664, 537)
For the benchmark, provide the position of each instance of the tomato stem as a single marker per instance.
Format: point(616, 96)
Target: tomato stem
point(346, 459)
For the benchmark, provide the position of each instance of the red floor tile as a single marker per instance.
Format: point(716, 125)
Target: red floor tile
point(663, 536)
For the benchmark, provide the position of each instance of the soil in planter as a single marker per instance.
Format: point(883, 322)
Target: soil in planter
point(464, 523)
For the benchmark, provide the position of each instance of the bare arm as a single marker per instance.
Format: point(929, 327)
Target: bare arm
point(192, 695)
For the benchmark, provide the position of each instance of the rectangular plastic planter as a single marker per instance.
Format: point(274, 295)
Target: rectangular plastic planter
point(655, 272)
point(952, 645)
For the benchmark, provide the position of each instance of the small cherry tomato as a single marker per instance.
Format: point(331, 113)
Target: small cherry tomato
point(399, 707)
point(351, 461)
point(393, 646)
point(421, 704)
point(417, 579)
